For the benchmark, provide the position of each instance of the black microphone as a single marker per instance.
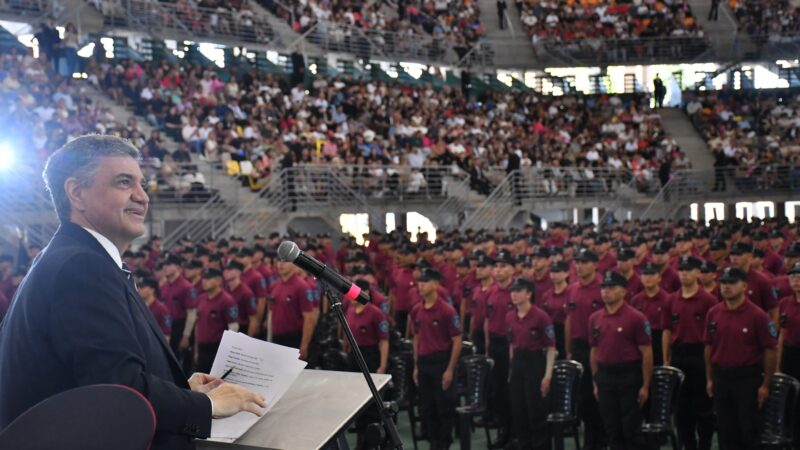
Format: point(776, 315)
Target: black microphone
point(289, 251)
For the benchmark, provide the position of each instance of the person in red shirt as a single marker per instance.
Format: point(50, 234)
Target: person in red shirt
point(669, 277)
point(181, 298)
point(465, 282)
point(708, 278)
point(148, 287)
point(437, 345)
point(541, 272)
point(533, 353)
point(740, 356)
point(293, 309)
point(683, 320)
point(605, 257)
point(253, 279)
point(771, 261)
point(651, 302)
point(216, 312)
point(498, 304)
point(376, 296)
point(244, 297)
point(370, 327)
point(402, 283)
point(789, 338)
point(625, 260)
point(759, 289)
point(621, 362)
point(583, 300)
point(554, 302)
point(485, 274)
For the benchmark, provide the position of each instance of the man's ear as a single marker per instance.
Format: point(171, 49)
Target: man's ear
point(74, 192)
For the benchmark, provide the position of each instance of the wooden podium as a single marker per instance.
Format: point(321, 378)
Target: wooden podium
point(312, 413)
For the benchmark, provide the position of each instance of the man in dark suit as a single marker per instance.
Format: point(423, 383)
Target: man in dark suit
point(77, 318)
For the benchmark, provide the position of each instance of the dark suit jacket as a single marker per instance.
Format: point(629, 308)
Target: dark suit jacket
point(77, 320)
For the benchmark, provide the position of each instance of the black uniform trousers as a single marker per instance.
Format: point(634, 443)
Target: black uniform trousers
point(528, 407)
point(559, 330)
point(658, 351)
point(292, 339)
point(401, 321)
point(372, 356)
point(790, 365)
point(437, 407)
point(736, 405)
point(183, 356)
point(694, 415)
point(594, 433)
point(205, 356)
point(479, 341)
point(498, 389)
point(618, 388)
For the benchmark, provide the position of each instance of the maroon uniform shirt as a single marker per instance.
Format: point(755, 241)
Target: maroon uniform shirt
point(370, 326)
point(179, 296)
point(404, 285)
point(618, 336)
point(5, 303)
point(739, 337)
point(582, 302)
point(253, 279)
point(478, 306)
point(160, 312)
point(246, 301)
point(449, 276)
point(444, 295)
point(760, 291)
point(606, 263)
point(555, 305)
point(781, 285)
point(498, 304)
point(290, 299)
point(651, 307)
point(534, 331)
point(790, 320)
point(773, 262)
point(213, 317)
point(670, 281)
point(686, 317)
point(435, 327)
point(378, 299)
point(541, 286)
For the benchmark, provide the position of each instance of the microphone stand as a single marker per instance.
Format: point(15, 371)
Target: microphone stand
point(386, 410)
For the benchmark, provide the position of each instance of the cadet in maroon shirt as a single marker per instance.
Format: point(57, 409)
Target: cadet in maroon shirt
point(216, 312)
point(293, 309)
point(554, 303)
point(651, 302)
point(371, 329)
point(485, 274)
point(583, 300)
point(148, 287)
point(708, 279)
point(625, 261)
point(541, 272)
point(789, 339)
point(533, 352)
point(402, 282)
point(376, 297)
point(498, 304)
point(684, 321)
point(771, 261)
point(253, 279)
point(437, 345)
point(605, 257)
point(181, 298)
point(244, 297)
point(669, 277)
point(740, 360)
point(759, 289)
point(621, 362)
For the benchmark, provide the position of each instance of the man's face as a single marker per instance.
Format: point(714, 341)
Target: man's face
point(115, 204)
point(230, 275)
point(730, 291)
point(612, 294)
point(660, 259)
point(285, 269)
point(742, 261)
point(170, 270)
point(707, 277)
point(211, 284)
point(427, 288)
point(688, 277)
point(540, 263)
point(585, 269)
point(503, 272)
point(625, 265)
point(520, 296)
point(559, 277)
point(794, 282)
point(649, 281)
point(483, 272)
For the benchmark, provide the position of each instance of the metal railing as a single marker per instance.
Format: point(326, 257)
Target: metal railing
point(26, 8)
point(613, 51)
point(192, 21)
point(189, 183)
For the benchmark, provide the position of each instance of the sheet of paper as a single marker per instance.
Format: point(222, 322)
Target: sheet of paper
point(260, 366)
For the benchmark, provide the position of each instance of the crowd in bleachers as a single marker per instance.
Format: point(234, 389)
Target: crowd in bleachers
point(754, 134)
point(767, 19)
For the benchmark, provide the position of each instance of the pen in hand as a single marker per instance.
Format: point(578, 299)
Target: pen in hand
point(227, 373)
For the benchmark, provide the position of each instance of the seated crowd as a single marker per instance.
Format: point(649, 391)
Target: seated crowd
point(767, 19)
point(469, 277)
point(754, 134)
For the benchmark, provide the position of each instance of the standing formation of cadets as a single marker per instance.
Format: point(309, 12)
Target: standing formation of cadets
point(719, 302)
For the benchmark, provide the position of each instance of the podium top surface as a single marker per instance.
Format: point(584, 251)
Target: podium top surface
point(316, 407)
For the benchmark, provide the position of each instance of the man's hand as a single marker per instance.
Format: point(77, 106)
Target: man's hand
point(545, 386)
point(304, 352)
point(710, 388)
point(415, 375)
point(228, 399)
point(447, 379)
point(203, 382)
point(763, 393)
point(184, 343)
point(594, 390)
point(254, 332)
point(381, 369)
point(644, 393)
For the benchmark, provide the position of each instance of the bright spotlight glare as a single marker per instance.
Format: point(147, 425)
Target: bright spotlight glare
point(6, 157)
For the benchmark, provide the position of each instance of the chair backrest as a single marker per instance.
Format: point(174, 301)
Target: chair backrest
point(476, 370)
point(564, 387)
point(401, 368)
point(778, 413)
point(664, 386)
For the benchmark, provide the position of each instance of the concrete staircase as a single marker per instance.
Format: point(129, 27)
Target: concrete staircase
point(288, 36)
point(677, 124)
point(722, 33)
point(510, 45)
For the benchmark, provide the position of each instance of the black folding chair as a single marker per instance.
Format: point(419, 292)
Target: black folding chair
point(779, 413)
point(664, 386)
point(563, 417)
point(475, 370)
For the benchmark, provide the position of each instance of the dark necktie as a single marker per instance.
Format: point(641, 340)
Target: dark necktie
point(128, 276)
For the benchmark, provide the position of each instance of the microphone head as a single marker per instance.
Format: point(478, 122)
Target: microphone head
point(288, 251)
